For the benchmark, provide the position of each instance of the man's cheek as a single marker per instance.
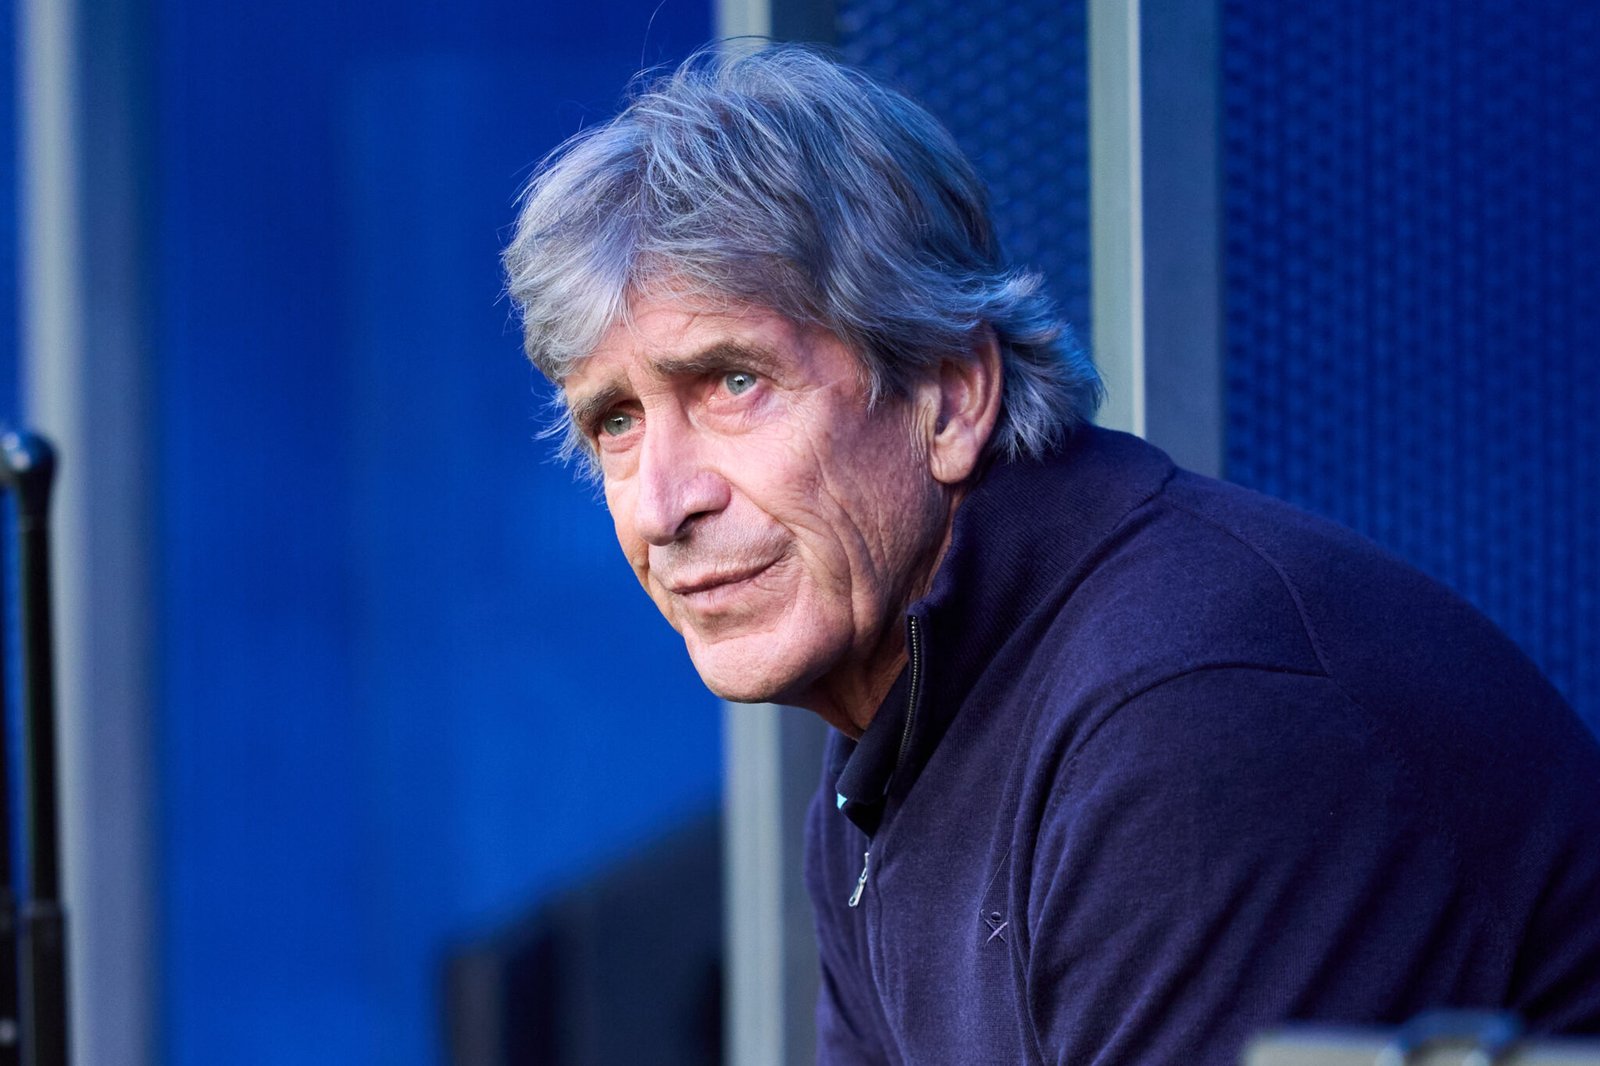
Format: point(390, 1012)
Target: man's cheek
point(637, 554)
point(620, 506)
point(668, 612)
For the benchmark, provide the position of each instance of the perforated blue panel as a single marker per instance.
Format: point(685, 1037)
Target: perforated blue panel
point(1413, 292)
point(1010, 81)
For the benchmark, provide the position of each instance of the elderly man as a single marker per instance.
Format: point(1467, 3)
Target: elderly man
point(1128, 763)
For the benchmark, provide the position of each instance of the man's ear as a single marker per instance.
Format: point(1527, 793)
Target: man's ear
point(969, 407)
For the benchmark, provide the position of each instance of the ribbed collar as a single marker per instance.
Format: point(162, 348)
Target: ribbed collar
point(1025, 534)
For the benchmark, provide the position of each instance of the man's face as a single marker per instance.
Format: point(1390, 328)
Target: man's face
point(778, 525)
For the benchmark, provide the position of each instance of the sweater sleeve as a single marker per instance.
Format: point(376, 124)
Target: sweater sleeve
point(1231, 849)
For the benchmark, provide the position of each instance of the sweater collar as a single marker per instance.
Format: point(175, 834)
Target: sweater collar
point(1021, 539)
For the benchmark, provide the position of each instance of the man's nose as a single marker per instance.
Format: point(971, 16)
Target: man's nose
point(676, 483)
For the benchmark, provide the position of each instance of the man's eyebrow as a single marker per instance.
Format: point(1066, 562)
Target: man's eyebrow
point(724, 355)
point(584, 411)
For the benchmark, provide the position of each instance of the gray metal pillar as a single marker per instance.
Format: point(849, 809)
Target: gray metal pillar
point(774, 760)
point(1155, 222)
point(84, 361)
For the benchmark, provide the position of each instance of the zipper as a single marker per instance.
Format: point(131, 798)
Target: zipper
point(915, 641)
point(861, 882)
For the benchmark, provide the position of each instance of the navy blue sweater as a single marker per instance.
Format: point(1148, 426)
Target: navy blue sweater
point(1174, 762)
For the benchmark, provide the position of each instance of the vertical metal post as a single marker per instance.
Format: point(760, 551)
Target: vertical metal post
point(1181, 178)
point(1116, 210)
point(27, 467)
point(743, 23)
point(84, 361)
point(774, 759)
point(10, 993)
point(1155, 230)
point(752, 844)
point(51, 309)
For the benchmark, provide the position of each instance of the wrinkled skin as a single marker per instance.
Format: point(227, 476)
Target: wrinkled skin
point(780, 526)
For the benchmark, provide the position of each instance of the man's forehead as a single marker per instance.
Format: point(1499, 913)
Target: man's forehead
point(667, 338)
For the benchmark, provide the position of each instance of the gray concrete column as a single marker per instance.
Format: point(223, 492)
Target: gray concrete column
point(84, 362)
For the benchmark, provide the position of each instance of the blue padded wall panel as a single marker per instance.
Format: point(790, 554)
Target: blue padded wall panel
point(1011, 82)
point(409, 687)
point(1412, 263)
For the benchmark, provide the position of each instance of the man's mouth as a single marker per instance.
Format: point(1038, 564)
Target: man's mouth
point(712, 582)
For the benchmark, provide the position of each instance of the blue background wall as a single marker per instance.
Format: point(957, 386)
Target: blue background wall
point(1412, 266)
point(1011, 83)
point(407, 685)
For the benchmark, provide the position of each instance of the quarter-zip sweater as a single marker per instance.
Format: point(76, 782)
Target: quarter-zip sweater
point(1180, 763)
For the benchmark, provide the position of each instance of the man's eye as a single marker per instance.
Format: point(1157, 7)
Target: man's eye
point(616, 424)
point(739, 381)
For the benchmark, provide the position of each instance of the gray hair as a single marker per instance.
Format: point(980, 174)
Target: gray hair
point(784, 180)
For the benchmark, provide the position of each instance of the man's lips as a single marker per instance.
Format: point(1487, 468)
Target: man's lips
point(720, 579)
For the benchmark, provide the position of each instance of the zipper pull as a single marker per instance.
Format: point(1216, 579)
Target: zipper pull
point(861, 882)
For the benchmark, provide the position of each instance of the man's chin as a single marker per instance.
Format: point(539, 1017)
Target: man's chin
point(744, 679)
point(742, 690)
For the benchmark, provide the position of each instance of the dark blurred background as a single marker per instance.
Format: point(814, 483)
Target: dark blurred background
point(374, 752)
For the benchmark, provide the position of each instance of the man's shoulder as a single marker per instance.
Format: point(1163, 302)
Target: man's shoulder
point(1185, 581)
point(1226, 629)
point(1206, 576)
